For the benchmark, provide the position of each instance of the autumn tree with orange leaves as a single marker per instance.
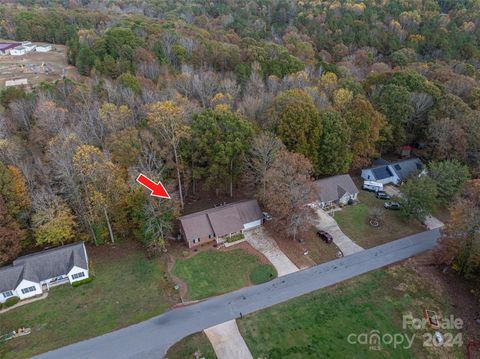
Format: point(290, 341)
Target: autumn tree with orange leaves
point(460, 242)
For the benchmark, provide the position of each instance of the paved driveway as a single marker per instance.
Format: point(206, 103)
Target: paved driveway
point(328, 224)
point(262, 242)
point(152, 338)
point(227, 341)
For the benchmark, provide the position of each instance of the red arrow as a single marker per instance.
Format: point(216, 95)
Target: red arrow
point(158, 190)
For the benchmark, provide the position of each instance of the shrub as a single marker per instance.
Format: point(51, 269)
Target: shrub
point(263, 273)
point(83, 281)
point(236, 237)
point(11, 301)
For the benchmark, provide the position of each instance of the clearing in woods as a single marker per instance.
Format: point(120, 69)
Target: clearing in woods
point(32, 66)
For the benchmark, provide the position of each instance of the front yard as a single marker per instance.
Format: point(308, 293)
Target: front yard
point(128, 288)
point(318, 325)
point(354, 222)
point(186, 348)
point(216, 272)
point(310, 250)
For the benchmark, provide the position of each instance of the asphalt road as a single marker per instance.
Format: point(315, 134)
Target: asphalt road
point(153, 337)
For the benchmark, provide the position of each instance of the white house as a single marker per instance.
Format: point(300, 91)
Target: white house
point(18, 51)
point(30, 275)
point(43, 48)
point(213, 224)
point(392, 172)
point(336, 190)
point(29, 47)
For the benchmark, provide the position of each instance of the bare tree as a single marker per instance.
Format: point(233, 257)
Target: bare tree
point(261, 158)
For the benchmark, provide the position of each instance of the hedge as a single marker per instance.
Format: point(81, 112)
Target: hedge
point(83, 281)
point(11, 301)
point(236, 237)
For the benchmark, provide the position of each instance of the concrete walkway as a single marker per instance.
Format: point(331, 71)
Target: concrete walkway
point(227, 341)
point(262, 242)
point(151, 338)
point(329, 225)
point(25, 302)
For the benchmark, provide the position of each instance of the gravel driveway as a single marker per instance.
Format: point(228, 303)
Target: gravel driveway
point(262, 242)
point(328, 224)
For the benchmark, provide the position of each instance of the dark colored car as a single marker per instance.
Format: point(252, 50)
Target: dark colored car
point(383, 195)
point(325, 236)
point(392, 205)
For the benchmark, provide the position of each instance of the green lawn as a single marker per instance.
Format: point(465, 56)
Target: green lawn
point(353, 220)
point(215, 272)
point(127, 289)
point(318, 325)
point(263, 273)
point(187, 347)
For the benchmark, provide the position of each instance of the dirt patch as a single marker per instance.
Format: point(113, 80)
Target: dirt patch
point(183, 288)
point(458, 293)
point(203, 199)
point(37, 66)
point(112, 251)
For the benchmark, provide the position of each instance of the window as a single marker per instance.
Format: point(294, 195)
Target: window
point(7, 294)
point(78, 275)
point(29, 289)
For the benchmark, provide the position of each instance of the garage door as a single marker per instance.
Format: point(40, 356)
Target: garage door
point(252, 224)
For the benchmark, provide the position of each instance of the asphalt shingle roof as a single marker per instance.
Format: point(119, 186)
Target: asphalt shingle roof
point(10, 277)
point(405, 168)
point(333, 188)
point(220, 221)
point(43, 265)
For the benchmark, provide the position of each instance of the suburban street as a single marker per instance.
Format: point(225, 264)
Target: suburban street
point(153, 337)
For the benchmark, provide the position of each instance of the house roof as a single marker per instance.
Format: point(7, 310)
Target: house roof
point(405, 168)
point(8, 45)
point(53, 262)
point(43, 265)
point(10, 277)
point(382, 172)
point(402, 169)
point(333, 188)
point(220, 221)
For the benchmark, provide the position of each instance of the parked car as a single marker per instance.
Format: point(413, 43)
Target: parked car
point(382, 195)
point(266, 216)
point(392, 205)
point(372, 186)
point(325, 236)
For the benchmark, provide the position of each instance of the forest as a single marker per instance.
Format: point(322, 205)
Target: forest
point(216, 95)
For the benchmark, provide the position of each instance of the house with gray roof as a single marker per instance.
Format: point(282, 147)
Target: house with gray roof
point(392, 172)
point(30, 275)
point(216, 223)
point(336, 190)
